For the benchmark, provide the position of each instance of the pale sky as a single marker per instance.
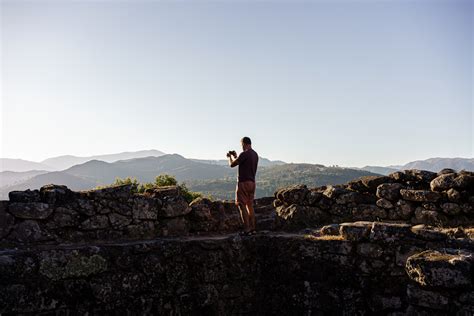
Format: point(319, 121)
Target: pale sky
point(351, 83)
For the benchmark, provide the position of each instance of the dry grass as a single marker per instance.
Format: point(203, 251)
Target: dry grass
point(325, 237)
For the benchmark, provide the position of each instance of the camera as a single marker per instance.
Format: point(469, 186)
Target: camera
point(231, 153)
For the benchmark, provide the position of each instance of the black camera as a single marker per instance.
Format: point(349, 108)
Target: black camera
point(231, 153)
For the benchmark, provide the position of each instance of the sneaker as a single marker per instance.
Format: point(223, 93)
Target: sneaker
point(253, 232)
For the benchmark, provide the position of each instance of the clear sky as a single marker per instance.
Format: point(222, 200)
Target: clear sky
point(351, 83)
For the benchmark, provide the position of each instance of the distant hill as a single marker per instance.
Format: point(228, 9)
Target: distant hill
point(20, 165)
point(431, 164)
point(212, 177)
point(64, 162)
point(55, 177)
point(271, 178)
point(146, 169)
point(379, 170)
point(13, 177)
point(437, 164)
point(262, 162)
point(95, 172)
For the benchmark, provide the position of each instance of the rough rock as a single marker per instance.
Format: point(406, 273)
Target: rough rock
point(428, 232)
point(117, 220)
point(372, 182)
point(384, 203)
point(464, 181)
point(24, 196)
point(453, 195)
point(389, 232)
point(29, 231)
point(423, 216)
point(403, 210)
point(145, 207)
point(389, 191)
point(95, 222)
point(420, 175)
point(357, 185)
point(427, 299)
point(420, 195)
point(449, 269)
point(300, 216)
point(355, 231)
point(398, 176)
point(293, 194)
point(446, 171)
point(64, 217)
point(330, 230)
point(119, 192)
point(64, 265)
point(30, 210)
point(174, 208)
point(451, 208)
point(443, 182)
point(53, 194)
point(6, 220)
point(367, 211)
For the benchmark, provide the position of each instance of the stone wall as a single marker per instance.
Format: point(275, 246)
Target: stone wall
point(111, 251)
point(54, 214)
point(413, 196)
point(361, 268)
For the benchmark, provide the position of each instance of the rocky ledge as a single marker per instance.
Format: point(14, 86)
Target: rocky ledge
point(413, 196)
point(369, 268)
point(395, 245)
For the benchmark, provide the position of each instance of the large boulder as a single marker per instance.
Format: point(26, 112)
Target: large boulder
point(389, 191)
point(448, 269)
point(294, 194)
point(173, 202)
point(372, 182)
point(298, 216)
point(55, 194)
point(334, 192)
point(420, 175)
point(356, 231)
point(117, 192)
point(446, 171)
point(24, 196)
point(202, 216)
point(462, 181)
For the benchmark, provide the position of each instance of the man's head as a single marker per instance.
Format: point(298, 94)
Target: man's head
point(246, 143)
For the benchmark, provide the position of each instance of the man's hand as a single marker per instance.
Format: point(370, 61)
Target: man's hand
point(232, 162)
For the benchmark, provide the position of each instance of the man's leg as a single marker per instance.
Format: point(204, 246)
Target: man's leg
point(245, 216)
point(251, 215)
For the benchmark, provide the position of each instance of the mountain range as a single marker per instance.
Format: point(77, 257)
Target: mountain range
point(431, 164)
point(63, 162)
point(211, 177)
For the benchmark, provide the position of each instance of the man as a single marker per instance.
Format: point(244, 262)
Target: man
point(245, 190)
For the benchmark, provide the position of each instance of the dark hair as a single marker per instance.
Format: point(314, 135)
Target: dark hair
point(246, 140)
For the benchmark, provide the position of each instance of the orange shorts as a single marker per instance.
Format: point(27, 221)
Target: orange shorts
point(245, 192)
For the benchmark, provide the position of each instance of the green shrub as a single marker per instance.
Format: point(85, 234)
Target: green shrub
point(160, 181)
point(189, 196)
point(164, 180)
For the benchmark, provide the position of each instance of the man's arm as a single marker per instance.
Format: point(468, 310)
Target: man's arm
point(233, 162)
